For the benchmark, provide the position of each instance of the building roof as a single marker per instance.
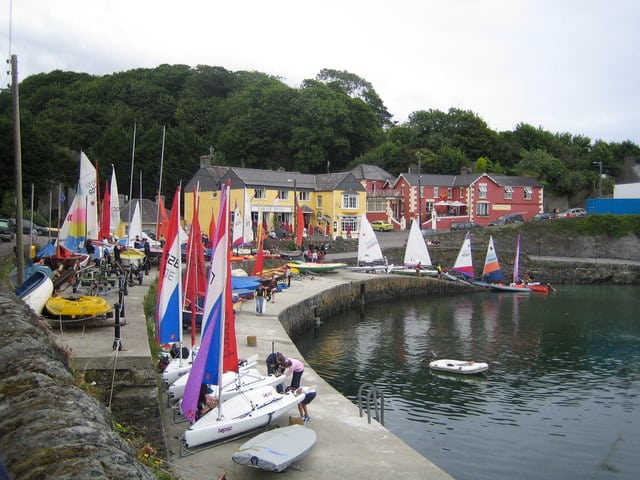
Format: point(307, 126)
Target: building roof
point(148, 211)
point(345, 181)
point(371, 172)
point(465, 180)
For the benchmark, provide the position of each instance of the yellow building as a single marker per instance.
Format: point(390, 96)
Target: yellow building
point(331, 203)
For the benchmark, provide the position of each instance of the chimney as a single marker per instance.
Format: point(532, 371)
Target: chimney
point(205, 161)
point(464, 170)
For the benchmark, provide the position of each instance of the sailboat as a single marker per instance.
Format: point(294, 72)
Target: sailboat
point(491, 272)
point(169, 299)
point(517, 285)
point(416, 254)
point(464, 262)
point(369, 250)
point(242, 413)
point(81, 221)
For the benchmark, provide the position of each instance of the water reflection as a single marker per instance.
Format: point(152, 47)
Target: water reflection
point(561, 397)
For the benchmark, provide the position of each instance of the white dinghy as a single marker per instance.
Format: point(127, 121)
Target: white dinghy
point(240, 414)
point(458, 366)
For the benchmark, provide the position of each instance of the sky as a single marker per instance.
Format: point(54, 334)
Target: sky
point(566, 66)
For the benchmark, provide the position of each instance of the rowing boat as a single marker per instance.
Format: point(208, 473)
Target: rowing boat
point(458, 366)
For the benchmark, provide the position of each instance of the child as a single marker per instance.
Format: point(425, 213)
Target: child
point(309, 394)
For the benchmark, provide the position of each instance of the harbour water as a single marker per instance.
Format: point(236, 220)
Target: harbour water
point(561, 399)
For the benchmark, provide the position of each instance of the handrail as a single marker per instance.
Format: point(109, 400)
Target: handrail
point(372, 391)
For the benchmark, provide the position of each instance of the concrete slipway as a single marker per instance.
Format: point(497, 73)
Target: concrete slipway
point(347, 445)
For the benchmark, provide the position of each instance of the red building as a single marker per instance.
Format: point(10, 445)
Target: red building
point(439, 200)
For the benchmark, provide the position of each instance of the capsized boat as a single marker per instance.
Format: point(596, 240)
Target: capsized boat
point(458, 366)
point(310, 267)
point(242, 413)
point(275, 450)
point(36, 290)
point(78, 307)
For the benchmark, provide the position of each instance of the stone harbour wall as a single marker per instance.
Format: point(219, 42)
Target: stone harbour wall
point(49, 426)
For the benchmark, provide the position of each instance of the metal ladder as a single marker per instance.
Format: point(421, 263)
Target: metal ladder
point(371, 394)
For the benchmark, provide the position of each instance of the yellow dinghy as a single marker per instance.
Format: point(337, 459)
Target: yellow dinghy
point(78, 307)
point(131, 256)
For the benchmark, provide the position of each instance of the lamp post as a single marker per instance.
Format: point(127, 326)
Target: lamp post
point(599, 178)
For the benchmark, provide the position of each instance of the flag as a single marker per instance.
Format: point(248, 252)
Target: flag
point(299, 225)
point(105, 218)
point(62, 197)
point(169, 303)
point(194, 279)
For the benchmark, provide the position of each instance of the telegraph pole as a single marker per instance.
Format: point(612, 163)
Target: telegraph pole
point(17, 146)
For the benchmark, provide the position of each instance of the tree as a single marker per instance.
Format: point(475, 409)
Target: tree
point(357, 87)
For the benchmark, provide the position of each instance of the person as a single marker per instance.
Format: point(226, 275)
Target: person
point(273, 288)
point(287, 275)
point(309, 394)
point(137, 243)
point(419, 269)
point(146, 263)
point(294, 369)
point(88, 246)
point(206, 401)
point(261, 300)
point(439, 269)
point(275, 366)
point(275, 363)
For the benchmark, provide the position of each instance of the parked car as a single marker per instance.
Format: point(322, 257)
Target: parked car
point(507, 218)
point(26, 227)
point(572, 212)
point(381, 226)
point(6, 232)
point(455, 226)
point(543, 216)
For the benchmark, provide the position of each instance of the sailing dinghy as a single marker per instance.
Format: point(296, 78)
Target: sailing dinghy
point(241, 413)
point(417, 260)
point(275, 450)
point(517, 286)
point(369, 251)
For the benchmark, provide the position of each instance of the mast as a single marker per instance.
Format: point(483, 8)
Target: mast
point(160, 186)
point(133, 156)
point(17, 148)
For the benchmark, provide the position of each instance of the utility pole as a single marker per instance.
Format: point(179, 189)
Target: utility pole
point(419, 192)
point(17, 146)
point(599, 178)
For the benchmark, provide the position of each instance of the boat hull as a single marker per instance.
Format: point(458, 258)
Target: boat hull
point(276, 449)
point(232, 384)
point(310, 267)
point(459, 366)
point(240, 414)
point(73, 308)
point(510, 288)
point(36, 291)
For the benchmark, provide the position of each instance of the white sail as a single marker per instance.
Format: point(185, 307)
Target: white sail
point(88, 182)
point(238, 226)
point(368, 247)
point(248, 224)
point(115, 203)
point(81, 221)
point(135, 229)
point(416, 251)
point(464, 262)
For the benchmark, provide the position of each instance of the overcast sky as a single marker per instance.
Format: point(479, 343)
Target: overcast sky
point(563, 65)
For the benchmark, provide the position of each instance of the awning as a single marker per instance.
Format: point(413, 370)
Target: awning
point(458, 204)
point(306, 209)
point(442, 203)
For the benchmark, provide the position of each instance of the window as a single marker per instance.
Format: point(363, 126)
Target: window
point(349, 201)
point(528, 193)
point(449, 192)
point(376, 205)
point(508, 193)
point(429, 206)
point(482, 191)
point(303, 196)
point(283, 194)
point(259, 194)
point(482, 209)
point(436, 192)
point(349, 224)
point(319, 201)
